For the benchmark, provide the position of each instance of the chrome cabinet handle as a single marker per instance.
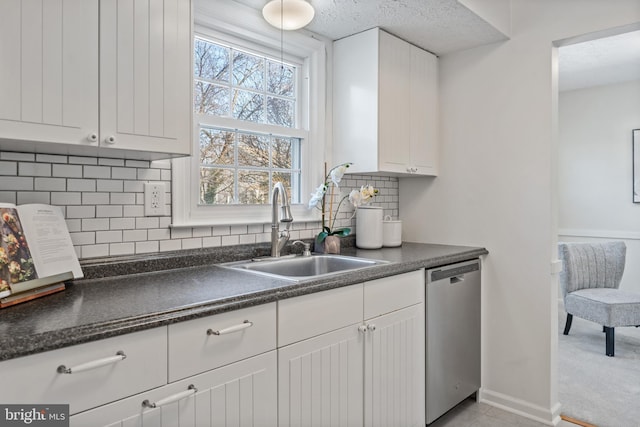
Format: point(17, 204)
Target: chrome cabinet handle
point(92, 137)
point(173, 398)
point(362, 328)
point(62, 369)
point(231, 329)
point(371, 327)
point(110, 140)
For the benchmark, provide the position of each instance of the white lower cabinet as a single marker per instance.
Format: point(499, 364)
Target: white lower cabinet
point(369, 373)
point(394, 364)
point(320, 380)
point(240, 394)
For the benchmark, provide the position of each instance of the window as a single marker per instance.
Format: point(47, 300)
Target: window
point(236, 166)
point(258, 119)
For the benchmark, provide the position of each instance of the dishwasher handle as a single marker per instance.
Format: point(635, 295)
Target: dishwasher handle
point(455, 271)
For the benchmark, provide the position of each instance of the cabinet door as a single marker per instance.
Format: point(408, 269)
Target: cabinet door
point(393, 104)
point(49, 71)
point(423, 126)
point(242, 394)
point(145, 75)
point(320, 380)
point(394, 369)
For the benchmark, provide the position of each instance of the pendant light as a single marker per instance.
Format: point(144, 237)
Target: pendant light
point(288, 14)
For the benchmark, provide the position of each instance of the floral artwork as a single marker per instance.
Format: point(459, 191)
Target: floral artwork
point(16, 263)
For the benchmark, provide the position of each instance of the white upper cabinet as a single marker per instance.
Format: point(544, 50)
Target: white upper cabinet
point(96, 77)
point(385, 101)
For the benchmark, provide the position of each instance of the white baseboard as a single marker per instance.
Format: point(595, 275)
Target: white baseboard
point(548, 416)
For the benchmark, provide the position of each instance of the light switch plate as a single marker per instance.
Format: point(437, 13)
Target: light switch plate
point(154, 198)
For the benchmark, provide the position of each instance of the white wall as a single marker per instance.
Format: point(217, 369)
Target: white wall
point(595, 169)
point(496, 189)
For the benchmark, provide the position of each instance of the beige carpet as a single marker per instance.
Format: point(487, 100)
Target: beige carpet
point(594, 388)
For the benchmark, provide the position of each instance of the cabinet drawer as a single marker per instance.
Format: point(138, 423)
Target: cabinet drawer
point(393, 293)
point(314, 314)
point(200, 345)
point(35, 379)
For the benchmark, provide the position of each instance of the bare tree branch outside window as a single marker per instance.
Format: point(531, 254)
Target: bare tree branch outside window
point(236, 166)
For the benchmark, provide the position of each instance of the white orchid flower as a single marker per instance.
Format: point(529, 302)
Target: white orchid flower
point(355, 197)
point(337, 173)
point(367, 192)
point(317, 196)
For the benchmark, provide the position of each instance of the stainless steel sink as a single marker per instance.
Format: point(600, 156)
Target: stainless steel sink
point(301, 268)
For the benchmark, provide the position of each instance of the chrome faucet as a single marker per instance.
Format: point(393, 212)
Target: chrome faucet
point(279, 238)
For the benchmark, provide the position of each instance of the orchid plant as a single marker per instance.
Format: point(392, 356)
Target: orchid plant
point(318, 200)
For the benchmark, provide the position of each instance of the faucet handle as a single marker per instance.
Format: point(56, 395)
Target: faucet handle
point(307, 247)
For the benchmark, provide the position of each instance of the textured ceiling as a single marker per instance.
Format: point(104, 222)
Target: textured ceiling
point(439, 26)
point(608, 60)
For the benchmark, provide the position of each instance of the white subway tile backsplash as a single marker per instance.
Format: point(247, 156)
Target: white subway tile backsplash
point(193, 243)
point(96, 172)
point(123, 173)
point(83, 238)
point(133, 210)
point(67, 171)
point(149, 174)
point(8, 168)
point(24, 197)
point(134, 235)
point(123, 198)
point(147, 247)
point(34, 169)
point(116, 249)
point(114, 185)
point(84, 185)
point(8, 197)
point(50, 158)
point(122, 223)
point(102, 200)
point(95, 224)
point(83, 160)
point(210, 242)
point(50, 184)
point(95, 198)
point(25, 157)
point(108, 211)
point(109, 236)
point(170, 245)
point(110, 162)
point(92, 251)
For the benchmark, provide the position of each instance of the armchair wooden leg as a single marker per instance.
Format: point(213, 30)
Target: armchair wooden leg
point(610, 338)
point(567, 325)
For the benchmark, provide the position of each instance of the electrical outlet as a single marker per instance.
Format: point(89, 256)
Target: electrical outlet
point(154, 199)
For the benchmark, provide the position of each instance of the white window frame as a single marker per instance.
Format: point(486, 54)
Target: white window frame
point(244, 27)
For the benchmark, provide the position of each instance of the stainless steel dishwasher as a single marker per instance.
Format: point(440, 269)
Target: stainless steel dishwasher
point(453, 336)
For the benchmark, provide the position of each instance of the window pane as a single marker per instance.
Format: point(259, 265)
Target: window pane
point(248, 71)
point(211, 61)
point(281, 112)
point(253, 150)
point(248, 106)
point(281, 79)
point(216, 146)
point(210, 99)
point(253, 187)
point(216, 186)
point(285, 179)
point(281, 153)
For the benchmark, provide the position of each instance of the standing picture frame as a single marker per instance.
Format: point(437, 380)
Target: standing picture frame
point(635, 135)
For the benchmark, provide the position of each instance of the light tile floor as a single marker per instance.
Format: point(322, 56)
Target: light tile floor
point(473, 414)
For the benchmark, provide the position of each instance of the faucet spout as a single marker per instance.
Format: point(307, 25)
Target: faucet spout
point(279, 238)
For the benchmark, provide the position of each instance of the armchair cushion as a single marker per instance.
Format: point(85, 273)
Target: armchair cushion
point(607, 306)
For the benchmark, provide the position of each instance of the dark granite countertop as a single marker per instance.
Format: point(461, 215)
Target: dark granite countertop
point(100, 307)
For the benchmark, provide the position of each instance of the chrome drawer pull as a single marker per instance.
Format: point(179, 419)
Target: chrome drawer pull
point(93, 364)
point(231, 329)
point(178, 396)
